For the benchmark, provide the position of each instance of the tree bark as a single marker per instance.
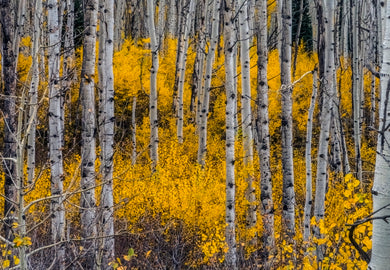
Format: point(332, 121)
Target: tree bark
point(182, 68)
point(381, 187)
point(230, 42)
point(309, 137)
point(267, 206)
point(56, 131)
point(357, 84)
point(106, 130)
point(202, 144)
point(153, 86)
point(9, 61)
point(288, 201)
point(88, 130)
point(327, 65)
point(133, 132)
point(33, 92)
point(246, 111)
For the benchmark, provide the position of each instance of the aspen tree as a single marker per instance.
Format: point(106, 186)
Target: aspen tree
point(246, 111)
point(88, 130)
point(199, 67)
point(153, 85)
point(33, 92)
point(309, 137)
point(203, 116)
point(182, 68)
point(288, 201)
point(9, 59)
point(325, 11)
point(267, 206)
point(120, 9)
point(133, 132)
point(230, 41)
point(357, 84)
point(381, 187)
point(106, 130)
point(172, 19)
point(56, 131)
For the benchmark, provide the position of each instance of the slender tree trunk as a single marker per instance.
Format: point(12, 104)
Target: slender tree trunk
point(172, 19)
point(230, 41)
point(288, 201)
point(133, 132)
point(56, 132)
point(33, 92)
point(153, 86)
point(326, 56)
point(202, 144)
point(381, 187)
point(200, 56)
point(106, 129)
point(267, 206)
point(309, 137)
point(9, 60)
point(88, 130)
point(314, 24)
point(161, 23)
point(182, 69)
point(120, 9)
point(357, 77)
point(246, 111)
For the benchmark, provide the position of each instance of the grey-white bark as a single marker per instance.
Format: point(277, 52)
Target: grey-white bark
point(172, 19)
point(357, 84)
point(9, 60)
point(88, 130)
point(288, 200)
point(161, 22)
point(203, 116)
point(153, 85)
point(267, 206)
point(56, 132)
point(120, 9)
point(381, 187)
point(246, 111)
point(229, 43)
point(106, 130)
point(133, 132)
point(309, 137)
point(199, 64)
point(326, 54)
point(33, 92)
point(182, 69)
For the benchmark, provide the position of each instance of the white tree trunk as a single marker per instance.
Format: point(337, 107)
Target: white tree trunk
point(380, 258)
point(133, 132)
point(230, 41)
point(56, 131)
point(106, 129)
point(200, 53)
point(288, 201)
point(326, 53)
point(309, 137)
point(202, 144)
point(88, 130)
point(33, 92)
point(357, 78)
point(182, 69)
point(246, 111)
point(9, 61)
point(267, 206)
point(153, 85)
point(172, 19)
